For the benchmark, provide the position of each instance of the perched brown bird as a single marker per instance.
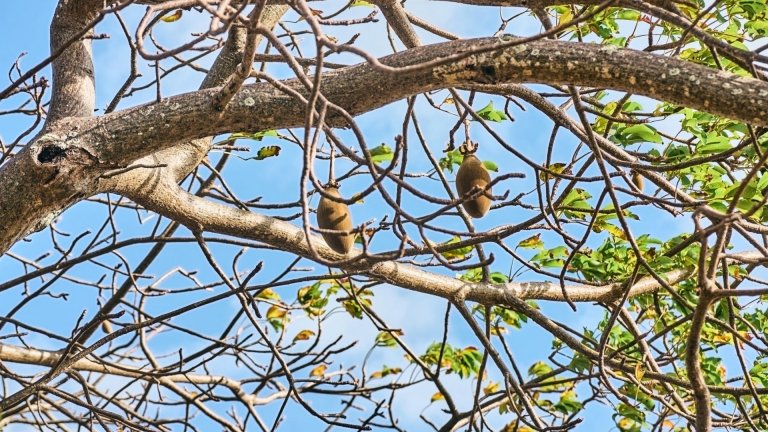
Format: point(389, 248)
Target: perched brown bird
point(335, 216)
point(472, 173)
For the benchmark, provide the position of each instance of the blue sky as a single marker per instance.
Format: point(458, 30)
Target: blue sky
point(419, 315)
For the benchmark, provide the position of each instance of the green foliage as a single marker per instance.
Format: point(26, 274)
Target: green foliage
point(629, 418)
point(382, 153)
point(314, 298)
point(502, 318)
point(386, 371)
point(476, 275)
point(452, 159)
point(256, 136)
point(464, 362)
point(489, 113)
point(458, 253)
point(386, 339)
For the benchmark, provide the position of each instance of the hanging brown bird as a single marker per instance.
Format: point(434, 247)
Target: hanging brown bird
point(472, 173)
point(334, 215)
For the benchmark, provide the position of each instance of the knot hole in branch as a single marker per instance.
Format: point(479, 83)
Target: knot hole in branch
point(51, 153)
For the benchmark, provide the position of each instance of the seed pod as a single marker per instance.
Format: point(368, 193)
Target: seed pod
point(335, 216)
point(472, 173)
point(106, 326)
point(637, 180)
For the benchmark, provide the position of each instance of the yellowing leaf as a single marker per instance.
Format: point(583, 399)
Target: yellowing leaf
point(174, 17)
point(436, 397)
point(303, 335)
point(386, 371)
point(532, 242)
point(318, 371)
point(513, 427)
point(626, 424)
point(277, 316)
point(558, 168)
point(498, 331)
point(723, 338)
point(492, 387)
point(276, 312)
point(504, 407)
point(615, 231)
point(268, 294)
point(639, 371)
point(565, 17)
point(268, 151)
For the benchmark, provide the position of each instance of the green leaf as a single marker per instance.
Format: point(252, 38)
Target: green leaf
point(714, 146)
point(627, 14)
point(568, 403)
point(257, 136)
point(467, 362)
point(451, 159)
point(491, 114)
point(579, 363)
point(498, 277)
point(313, 299)
point(355, 307)
point(382, 153)
point(461, 252)
point(472, 275)
point(539, 369)
point(491, 166)
point(641, 132)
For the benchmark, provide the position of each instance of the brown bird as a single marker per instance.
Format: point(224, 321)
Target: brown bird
point(334, 215)
point(472, 173)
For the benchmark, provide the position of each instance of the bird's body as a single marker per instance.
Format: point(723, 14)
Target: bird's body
point(472, 173)
point(334, 215)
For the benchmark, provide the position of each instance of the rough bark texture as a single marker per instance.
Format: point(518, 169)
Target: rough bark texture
point(143, 152)
point(91, 147)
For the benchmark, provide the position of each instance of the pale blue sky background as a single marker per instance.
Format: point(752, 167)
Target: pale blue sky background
point(419, 315)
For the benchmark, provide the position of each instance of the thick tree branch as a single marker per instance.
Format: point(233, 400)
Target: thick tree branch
point(10, 353)
point(197, 213)
point(73, 76)
point(92, 146)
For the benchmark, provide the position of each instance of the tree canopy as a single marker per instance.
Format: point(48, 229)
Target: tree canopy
point(555, 212)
